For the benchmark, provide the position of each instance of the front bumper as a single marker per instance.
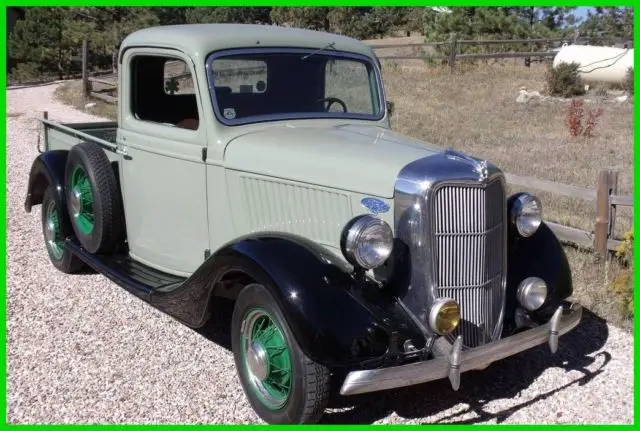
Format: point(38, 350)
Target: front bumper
point(459, 361)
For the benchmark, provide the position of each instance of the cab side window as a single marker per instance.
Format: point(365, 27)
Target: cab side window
point(163, 92)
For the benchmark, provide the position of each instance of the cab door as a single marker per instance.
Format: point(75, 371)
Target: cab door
point(161, 141)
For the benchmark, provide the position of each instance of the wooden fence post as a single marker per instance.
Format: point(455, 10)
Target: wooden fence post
point(607, 182)
point(452, 52)
point(613, 190)
point(45, 137)
point(85, 69)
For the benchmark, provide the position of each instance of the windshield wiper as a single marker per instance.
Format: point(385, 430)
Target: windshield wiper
point(329, 45)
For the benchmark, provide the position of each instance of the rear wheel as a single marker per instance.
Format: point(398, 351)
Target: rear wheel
point(55, 229)
point(282, 384)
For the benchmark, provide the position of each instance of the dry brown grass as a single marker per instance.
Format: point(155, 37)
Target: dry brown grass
point(70, 93)
point(476, 112)
point(591, 278)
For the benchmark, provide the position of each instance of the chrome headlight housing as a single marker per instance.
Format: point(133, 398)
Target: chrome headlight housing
point(367, 242)
point(526, 214)
point(532, 292)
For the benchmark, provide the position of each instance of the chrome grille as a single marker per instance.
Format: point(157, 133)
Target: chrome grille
point(468, 234)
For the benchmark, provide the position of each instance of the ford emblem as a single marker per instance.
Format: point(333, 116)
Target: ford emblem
point(374, 205)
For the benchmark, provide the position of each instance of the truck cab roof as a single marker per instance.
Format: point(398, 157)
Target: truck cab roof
point(199, 40)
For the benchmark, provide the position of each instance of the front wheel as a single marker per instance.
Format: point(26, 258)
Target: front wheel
point(282, 384)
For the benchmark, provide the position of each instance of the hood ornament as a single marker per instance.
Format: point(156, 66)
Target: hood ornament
point(481, 167)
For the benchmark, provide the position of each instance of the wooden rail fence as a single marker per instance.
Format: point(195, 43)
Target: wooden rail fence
point(606, 199)
point(453, 43)
point(87, 81)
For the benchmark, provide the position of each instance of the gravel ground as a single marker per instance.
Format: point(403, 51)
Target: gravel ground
point(82, 350)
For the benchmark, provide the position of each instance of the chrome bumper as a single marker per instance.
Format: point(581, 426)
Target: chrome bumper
point(459, 361)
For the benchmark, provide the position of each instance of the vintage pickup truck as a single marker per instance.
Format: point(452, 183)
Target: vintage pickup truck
point(257, 164)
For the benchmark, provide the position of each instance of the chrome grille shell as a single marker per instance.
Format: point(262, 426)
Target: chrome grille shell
point(467, 230)
point(415, 194)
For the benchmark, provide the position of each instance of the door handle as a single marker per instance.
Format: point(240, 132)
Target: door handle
point(121, 149)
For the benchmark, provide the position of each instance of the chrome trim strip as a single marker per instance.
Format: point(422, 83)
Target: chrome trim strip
point(358, 382)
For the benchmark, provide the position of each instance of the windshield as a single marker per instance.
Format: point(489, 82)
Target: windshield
point(260, 85)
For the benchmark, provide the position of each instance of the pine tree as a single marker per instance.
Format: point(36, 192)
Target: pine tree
point(314, 18)
point(43, 39)
point(243, 15)
point(615, 22)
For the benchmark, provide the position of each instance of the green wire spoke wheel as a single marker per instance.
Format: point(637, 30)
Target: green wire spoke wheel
point(266, 357)
point(93, 199)
point(282, 384)
point(81, 200)
point(55, 228)
point(52, 232)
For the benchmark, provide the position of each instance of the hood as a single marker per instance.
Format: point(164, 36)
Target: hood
point(358, 158)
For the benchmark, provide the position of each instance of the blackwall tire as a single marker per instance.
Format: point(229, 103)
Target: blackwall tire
point(285, 387)
point(93, 199)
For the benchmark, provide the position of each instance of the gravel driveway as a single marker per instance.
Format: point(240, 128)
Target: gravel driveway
point(82, 350)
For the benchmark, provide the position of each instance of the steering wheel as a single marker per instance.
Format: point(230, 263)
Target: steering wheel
point(330, 101)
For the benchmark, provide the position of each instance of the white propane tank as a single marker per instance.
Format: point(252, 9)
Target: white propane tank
point(597, 63)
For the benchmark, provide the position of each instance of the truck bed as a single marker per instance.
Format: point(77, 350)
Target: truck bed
point(62, 136)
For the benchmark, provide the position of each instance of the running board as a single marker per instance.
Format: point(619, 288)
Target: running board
point(139, 279)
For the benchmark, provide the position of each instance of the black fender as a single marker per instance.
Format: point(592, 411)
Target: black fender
point(47, 169)
point(338, 318)
point(540, 255)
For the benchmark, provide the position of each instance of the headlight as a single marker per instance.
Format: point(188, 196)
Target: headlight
point(444, 316)
point(532, 293)
point(526, 214)
point(367, 242)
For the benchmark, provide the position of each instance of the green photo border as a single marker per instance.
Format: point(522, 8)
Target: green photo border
point(3, 334)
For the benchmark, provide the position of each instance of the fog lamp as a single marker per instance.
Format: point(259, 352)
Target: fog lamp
point(532, 292)
point(444, 316)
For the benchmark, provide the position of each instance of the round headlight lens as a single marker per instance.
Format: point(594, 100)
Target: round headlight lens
point(526, 214)
point(367, 242)
point(532, 293)
point(444, 317)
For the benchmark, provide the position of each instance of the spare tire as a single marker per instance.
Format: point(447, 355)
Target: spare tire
point(93, 199)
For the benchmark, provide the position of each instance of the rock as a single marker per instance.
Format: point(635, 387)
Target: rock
point(622, 98)
point(525, 96)
point(522, 97)
point(89, 105)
